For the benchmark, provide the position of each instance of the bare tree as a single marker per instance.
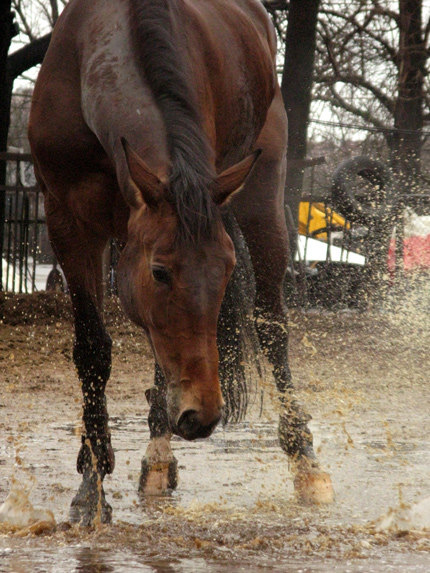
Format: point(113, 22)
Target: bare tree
point(36, 17)
point(33, 18)
point(372, 63)
point(29, 23)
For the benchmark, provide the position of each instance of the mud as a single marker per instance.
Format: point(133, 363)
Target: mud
point(365, 379)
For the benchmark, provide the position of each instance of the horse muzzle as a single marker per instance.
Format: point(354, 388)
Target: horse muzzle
point(194, 406)
point(190, 427)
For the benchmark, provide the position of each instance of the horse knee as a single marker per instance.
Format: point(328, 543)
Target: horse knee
point(92, 357)
point(96, 455)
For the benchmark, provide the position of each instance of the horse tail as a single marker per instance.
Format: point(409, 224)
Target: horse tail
point(240, 352)
point(157, 36)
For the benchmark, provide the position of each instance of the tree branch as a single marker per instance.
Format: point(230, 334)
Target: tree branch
point(359, 82)
point(28, 56)
point(427, 33)
point(362, 28)
point(272, 5)
point(338, 101)
point(27, 28)
point(54, 10)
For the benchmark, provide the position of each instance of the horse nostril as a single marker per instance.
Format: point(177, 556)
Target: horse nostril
point(188, 423)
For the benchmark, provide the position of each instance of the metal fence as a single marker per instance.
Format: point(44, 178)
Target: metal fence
point(23, 234)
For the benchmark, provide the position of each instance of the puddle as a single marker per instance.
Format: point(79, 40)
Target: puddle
point(235, 498)
point(363, 377)
point(85, 560)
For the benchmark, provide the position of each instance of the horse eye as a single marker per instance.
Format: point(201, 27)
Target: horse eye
point(161, 275)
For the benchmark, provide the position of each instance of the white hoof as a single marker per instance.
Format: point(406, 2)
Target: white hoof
point(159, 473)
point(313, 486)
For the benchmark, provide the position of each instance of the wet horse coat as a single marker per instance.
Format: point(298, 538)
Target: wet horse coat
point(147, 120)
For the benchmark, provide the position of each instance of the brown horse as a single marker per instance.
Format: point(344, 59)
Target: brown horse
point(148, 118)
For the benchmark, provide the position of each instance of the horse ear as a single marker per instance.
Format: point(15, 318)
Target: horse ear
point(147, 186)
point(231, 181)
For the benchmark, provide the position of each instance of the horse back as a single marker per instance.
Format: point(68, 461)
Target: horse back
point(93, 86)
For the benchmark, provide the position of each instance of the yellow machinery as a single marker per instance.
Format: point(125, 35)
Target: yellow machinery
point(314, 218)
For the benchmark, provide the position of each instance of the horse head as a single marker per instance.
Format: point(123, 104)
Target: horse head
point(173, 288)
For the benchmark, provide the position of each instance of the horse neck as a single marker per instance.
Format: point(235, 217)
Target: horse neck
point(158, 47)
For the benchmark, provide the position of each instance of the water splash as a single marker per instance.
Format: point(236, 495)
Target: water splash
point(18, 515)
point(415, 517)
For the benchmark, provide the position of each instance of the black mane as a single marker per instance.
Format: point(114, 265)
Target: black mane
point(158, 49)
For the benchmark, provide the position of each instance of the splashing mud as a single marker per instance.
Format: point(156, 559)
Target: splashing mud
point(18, 515)
point(364, 377)
point(415, 517)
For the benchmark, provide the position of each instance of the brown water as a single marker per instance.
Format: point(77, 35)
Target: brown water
point(365, 379)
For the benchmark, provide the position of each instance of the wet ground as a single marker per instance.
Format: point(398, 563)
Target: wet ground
point(365, 379)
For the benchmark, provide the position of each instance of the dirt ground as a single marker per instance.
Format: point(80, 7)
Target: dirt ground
point(364, 377)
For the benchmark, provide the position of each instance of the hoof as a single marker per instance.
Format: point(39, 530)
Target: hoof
point(158, 478)
point(89, 507)
point(313, 486)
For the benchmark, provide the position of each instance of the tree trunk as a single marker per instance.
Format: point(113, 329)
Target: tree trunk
point(7, 31)
point(296, 91)
point(406, 141)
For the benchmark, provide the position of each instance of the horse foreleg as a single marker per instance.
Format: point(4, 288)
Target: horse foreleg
point(92, 356)
point(159, 473)
point(80, 254)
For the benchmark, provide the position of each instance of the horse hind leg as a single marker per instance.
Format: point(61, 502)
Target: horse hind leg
point(159, 473)
point(79, 253)
point(264, 228)
point(310, 482)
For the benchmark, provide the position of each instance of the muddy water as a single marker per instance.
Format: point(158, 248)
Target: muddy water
point(365, 379)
